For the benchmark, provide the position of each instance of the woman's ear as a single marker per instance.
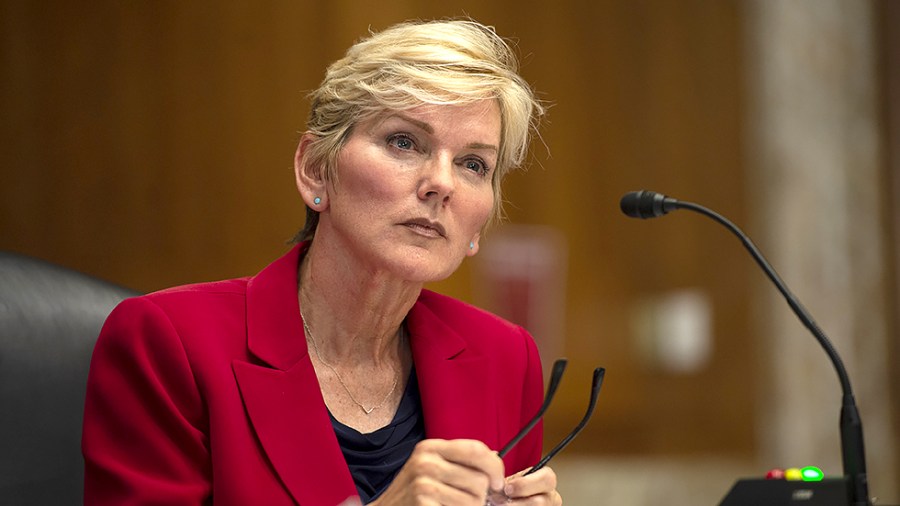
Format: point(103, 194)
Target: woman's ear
point(311, 181)
point(473, 245)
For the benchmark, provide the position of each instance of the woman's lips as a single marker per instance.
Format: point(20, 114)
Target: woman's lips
point(425, 227)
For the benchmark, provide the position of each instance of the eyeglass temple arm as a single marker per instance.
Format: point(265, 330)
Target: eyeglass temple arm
point(555, 376)
point(599, 373)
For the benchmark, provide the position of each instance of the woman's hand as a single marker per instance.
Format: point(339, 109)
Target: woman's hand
point(455, 472)
point(537, 489)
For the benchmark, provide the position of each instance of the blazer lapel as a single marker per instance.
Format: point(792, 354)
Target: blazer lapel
point(290, 419)
point(457, 400)
point(283, 401)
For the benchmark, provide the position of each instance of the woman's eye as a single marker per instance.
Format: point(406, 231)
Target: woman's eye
point(476, 165)
point(401, 141)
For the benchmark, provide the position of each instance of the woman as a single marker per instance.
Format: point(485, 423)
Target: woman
point(332, 373)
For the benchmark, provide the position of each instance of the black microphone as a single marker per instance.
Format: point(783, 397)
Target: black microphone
point(647, 204)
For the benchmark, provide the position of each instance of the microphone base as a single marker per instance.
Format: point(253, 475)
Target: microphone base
point(757, 492)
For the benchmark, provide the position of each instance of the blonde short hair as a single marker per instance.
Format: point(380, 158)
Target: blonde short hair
point(412, 64)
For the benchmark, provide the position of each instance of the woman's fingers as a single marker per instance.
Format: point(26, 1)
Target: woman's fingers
point(460, 472)
point(425, 490)
point(468, 460)
point(538, 488)
point(438, 464)
point(446, 472)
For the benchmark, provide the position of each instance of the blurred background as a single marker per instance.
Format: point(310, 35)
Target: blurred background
point(150, 143)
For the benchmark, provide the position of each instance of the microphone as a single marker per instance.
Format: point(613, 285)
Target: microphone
point(647, 204)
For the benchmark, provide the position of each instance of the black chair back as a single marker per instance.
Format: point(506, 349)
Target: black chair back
point(50, 317)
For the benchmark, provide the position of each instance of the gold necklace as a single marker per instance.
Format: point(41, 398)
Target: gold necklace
point(367, 411)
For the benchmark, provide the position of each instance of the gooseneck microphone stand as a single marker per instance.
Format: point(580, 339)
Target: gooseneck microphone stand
point(647, 204)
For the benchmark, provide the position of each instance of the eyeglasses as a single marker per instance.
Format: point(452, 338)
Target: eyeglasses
point(555, 376)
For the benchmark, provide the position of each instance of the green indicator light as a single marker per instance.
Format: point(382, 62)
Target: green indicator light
point(812, 473)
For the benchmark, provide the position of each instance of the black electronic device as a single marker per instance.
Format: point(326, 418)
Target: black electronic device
point(763, 492)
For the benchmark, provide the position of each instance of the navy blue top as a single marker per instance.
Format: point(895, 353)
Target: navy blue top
point(375, 458)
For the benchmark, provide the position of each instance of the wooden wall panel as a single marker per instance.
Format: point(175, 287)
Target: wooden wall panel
point(888, 14)
point(150, 143)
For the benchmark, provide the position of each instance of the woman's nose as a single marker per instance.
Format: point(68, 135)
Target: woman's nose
point(437, 181)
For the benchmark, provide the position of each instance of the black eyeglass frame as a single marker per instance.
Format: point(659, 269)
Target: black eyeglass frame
point(559, 368)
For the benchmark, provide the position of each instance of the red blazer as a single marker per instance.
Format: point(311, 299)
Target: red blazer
point(207, 392)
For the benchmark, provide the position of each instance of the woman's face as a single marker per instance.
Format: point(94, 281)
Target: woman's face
point(414, 189)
